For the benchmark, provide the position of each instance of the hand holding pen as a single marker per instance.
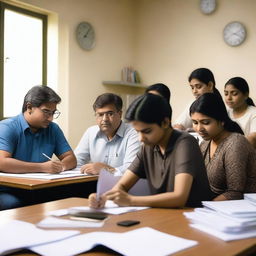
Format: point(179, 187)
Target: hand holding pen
point(52, 166)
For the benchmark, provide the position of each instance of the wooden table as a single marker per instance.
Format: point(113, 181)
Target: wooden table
point(31, 184)
point(169, 221)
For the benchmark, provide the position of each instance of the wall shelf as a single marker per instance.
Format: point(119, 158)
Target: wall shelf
point(137, 85)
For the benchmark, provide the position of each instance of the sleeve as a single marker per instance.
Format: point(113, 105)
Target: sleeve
point(235, 164)
point(184, 118)
point(132, 148)
point(137, 166)
point(188, 157)
point(253, 124)
point(82, 151)
point(8, 138)
point(61, 144)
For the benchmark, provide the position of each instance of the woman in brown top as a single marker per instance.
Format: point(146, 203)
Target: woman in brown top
point(229, 158)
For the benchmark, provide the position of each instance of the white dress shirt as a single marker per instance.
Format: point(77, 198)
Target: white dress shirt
point(119, 152)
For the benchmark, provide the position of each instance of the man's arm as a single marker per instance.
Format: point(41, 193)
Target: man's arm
point(11, 165)
point(68, 160)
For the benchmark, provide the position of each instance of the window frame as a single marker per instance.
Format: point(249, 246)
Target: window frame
point(44, 19)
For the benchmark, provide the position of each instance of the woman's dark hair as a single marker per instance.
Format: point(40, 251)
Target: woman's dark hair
point(212, 105)
point(241, 84)
point(39, 95)
point(149, 108)
point(204, 75)
point(106, 99)
point(162, 89)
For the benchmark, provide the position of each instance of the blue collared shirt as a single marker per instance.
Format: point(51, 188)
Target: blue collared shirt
point(17, 139)
point(119, 152)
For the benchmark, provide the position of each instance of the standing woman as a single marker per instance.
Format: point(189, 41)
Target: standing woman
point(201, 81)
point(229, 158)
point(241, 106)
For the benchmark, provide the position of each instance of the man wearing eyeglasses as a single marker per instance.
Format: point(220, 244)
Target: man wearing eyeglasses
point(111, 144)
point(28, 139)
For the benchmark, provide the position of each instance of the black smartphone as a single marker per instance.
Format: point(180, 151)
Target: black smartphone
point(89, 214)
point(128, 223)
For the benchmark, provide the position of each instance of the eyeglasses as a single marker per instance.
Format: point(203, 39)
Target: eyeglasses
point(108, 114)
point(55, 114)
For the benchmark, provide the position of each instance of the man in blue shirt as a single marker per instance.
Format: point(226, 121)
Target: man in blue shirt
point(24, 139)
point(111, 144)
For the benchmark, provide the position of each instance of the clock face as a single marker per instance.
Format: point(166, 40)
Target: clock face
point(85, 35)
point(207, 6)
point(234, 33)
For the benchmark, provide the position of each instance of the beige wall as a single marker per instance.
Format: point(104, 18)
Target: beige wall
point(174, 37)
point(163, 39)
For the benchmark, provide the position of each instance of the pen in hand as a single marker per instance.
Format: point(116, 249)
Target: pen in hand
point(46, 156)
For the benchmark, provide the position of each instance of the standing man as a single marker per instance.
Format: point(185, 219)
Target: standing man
point(111, 144)
point(24, 139)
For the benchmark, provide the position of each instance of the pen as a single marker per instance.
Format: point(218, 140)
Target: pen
point(46, 156)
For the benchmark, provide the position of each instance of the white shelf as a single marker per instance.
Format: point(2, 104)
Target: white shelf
point(124, 84)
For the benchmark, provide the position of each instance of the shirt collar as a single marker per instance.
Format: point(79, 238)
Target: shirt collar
point(23, 122)
point(120, 131)
point(172, 140)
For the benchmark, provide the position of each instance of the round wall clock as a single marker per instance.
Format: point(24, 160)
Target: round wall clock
point(207, 6)
point(234, 33)
point(85, 35)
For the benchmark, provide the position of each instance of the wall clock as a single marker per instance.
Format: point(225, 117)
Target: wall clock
point(234, 33)
point(85, 35)
point(207, 6)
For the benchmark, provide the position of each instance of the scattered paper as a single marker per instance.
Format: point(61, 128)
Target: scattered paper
point(46, 176)
point(16, 235)
point(52, 222)
point(129, 243)
point(112, 208)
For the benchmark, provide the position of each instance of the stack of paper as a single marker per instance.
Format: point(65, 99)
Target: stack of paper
point(227, 220)
point(251, 197)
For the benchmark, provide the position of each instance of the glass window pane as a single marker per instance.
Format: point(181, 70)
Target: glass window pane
point(23, 57)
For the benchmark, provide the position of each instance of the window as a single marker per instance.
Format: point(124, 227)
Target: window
point(22, 56)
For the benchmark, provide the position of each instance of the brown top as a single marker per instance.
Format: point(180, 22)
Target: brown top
point(232, 168)
point(182, 156)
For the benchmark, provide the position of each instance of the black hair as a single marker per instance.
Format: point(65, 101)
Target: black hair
point(106, 99)
point(204, 75)
point(241, 84)
point(212, 105)
point(162, 89)
point(39, 95)
point(149, 108)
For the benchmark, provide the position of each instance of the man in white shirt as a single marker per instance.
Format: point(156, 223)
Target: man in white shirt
point(111, 144)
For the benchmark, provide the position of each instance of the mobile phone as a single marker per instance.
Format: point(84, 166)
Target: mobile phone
point(128, 223)
point(89, 214)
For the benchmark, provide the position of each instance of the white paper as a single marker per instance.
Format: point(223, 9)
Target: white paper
point(251, 197)
point(224, 236)
point(112, 208)
point(52, 222)
point(107, 180)
point(17, 235)
point(238, 208)
point(218, 222)
point(129, 243)
point(46, 176)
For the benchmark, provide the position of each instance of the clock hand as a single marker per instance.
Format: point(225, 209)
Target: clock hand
point(87, 33)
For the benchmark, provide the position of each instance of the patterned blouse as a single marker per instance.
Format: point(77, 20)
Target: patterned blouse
point(232, 169)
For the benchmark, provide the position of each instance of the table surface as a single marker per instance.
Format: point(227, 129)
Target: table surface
point(170, 221)
point(31, 184)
